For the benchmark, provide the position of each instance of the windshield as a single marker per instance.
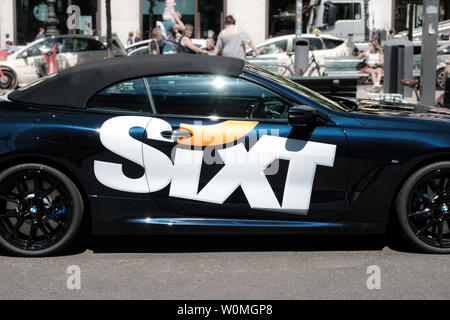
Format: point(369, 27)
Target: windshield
point(314, 96)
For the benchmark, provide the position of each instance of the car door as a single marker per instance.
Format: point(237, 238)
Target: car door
point(27, 63)
point(222, 148)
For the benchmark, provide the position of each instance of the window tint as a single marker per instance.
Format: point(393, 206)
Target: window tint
point(272, 48)
point(209, 95)
point(128, 96)
point(332, 43)
point(315, 44)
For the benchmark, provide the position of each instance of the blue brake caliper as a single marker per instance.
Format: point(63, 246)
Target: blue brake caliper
point(59, 212)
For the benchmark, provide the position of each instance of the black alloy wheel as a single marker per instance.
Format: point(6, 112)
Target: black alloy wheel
point(40, 210)
point(423, 208)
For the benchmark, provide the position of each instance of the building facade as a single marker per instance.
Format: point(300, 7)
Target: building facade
point(261, 18)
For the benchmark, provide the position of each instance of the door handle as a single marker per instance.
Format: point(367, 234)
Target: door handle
point(176, 134)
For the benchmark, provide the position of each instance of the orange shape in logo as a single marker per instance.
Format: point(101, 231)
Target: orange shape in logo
point(215, 135)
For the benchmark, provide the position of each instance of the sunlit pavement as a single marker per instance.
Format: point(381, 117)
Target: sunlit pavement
point(230, 267)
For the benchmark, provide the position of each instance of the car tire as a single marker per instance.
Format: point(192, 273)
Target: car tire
point(440, 80)
point(10, 81)
point(422, 208)
point(45, 203)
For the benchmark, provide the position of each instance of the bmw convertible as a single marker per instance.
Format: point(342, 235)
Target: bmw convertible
point(197, 144)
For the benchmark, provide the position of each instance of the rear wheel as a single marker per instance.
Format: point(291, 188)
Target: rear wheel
point(40, 210)
point(423, 208)
point(8, 80)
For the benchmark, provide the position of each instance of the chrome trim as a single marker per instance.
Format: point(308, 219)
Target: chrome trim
point(233, 223)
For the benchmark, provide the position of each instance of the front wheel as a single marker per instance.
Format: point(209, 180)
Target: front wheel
point(423, 208)
point(41, 210)
point(440, 79)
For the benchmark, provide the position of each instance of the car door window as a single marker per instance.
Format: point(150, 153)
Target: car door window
point(129, 96)
point(45, 46)
point(314, 43)
point(332, 43)
point(218, 96)
point(273, 48)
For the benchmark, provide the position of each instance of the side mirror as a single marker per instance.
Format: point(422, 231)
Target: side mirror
point(332, 14)
point(302, 116)
point(24, 55)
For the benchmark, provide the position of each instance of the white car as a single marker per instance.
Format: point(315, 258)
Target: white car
point(276, 54)
point(24, 65)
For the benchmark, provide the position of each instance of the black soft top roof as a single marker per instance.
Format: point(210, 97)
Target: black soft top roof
point(73, 87)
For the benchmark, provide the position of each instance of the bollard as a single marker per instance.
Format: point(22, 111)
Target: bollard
point(301, 56)
point(398, 65)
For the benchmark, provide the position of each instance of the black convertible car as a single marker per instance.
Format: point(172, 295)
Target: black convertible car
point(193, 144)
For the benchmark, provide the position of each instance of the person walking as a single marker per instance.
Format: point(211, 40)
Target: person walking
point(185, 45)
point(232, 41)
point(374, 64)
point(41, 33)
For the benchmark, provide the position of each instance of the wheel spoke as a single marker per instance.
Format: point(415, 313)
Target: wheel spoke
point(31, 235)
point(9, 214)
point(425, 228)
point(434, 186)
point(16, 228)
point(20, 189)
point(36, 185)
point(420, 212)
point(53, 187)
point(440, 232)
point(57, 220)
point(8, 199)
point(41, 226)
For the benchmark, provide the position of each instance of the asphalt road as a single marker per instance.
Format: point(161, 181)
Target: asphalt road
point(229, 267)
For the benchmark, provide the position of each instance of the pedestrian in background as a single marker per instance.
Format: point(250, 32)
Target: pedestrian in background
point(374, 63)
point(10, 47)
point(41, 33)
point(232, 41)
point(6, 39)
point(209, 45)
point(137, 38)
point(130, 39)
point(185, 44)
point(153, 47)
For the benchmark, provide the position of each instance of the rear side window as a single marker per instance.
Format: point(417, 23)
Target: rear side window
point(332, 43)
point(128, 97)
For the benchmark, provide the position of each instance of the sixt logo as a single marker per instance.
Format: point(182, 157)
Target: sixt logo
point(241, 168)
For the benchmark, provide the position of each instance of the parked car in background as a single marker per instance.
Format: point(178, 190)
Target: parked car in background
point(276, 53)
point(23, 66)
point(443, 57)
